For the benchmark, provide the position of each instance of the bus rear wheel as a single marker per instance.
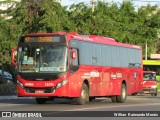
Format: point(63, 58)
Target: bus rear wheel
point(84, 97)
point(114, 99)
point(122, 97)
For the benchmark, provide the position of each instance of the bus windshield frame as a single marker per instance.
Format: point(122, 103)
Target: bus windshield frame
point(42, 57)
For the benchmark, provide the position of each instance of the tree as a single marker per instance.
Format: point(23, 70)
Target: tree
point(148, 29)
point(121, 22)
point(80, 17)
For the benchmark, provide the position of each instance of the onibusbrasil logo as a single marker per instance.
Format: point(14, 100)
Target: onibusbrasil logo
point(21, 114)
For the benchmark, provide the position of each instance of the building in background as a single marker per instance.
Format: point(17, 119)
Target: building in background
point(58, 1)
point(5, 6)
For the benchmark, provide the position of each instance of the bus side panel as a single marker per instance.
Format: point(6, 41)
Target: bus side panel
point(131, 81)
point(116, 87)
point(74, 85)
point(108, 82)
point(117, 75)
point(105, 90)
point(139, 81)
point(132, 78)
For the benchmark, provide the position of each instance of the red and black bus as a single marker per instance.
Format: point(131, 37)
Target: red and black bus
point(81, 67)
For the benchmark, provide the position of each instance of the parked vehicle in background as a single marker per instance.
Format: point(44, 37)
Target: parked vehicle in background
point(8, 79)
point(150, 83)
point(153, 65)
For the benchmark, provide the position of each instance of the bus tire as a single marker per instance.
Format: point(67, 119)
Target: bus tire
point(122, 97)
point(84, 97)
point(114, 99)
point(41, 100)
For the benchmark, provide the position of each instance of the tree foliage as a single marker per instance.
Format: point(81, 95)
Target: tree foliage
point(121, 22)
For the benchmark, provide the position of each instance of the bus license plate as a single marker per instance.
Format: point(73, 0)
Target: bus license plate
point(39, 91)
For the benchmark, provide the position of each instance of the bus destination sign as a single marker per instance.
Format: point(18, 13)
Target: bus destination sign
point(42, 39)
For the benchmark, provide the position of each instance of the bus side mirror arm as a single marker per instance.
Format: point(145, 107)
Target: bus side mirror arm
point(14, 53)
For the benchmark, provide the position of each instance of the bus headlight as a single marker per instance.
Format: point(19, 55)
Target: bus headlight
point(20, 84)
point(61, 83)
point(154, 86)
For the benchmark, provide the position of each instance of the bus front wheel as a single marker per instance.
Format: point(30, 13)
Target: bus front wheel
point(122, 97)
point(84, 97)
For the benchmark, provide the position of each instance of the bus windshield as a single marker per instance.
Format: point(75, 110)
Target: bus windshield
point(44, 58)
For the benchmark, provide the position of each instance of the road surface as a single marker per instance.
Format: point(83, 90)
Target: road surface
point(133, 103)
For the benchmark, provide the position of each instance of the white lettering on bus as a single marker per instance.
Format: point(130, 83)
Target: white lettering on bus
point(49, 84)
point(119, 75)
point(29, 84)
point(86, 75)
point(116, 75)
point(94, 74)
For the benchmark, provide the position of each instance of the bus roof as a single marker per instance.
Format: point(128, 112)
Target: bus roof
point(100, 39)
point(89, 38)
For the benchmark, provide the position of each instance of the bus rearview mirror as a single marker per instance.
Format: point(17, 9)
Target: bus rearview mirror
point(74, 55)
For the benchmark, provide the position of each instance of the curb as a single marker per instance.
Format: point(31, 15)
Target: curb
point(14, 97)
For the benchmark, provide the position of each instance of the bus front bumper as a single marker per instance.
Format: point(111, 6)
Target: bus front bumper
point(42, 91)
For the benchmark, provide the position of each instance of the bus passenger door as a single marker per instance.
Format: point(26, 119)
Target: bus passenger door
point(75, 76)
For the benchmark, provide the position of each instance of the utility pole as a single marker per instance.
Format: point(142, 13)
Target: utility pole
point(146, 51)
point(93, 6)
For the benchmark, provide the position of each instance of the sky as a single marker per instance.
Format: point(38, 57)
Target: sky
point(137, 3)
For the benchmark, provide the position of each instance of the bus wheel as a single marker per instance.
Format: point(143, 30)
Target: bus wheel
point(121, 98)
point(114, 99)
point(84, 95)
point(41, 100)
